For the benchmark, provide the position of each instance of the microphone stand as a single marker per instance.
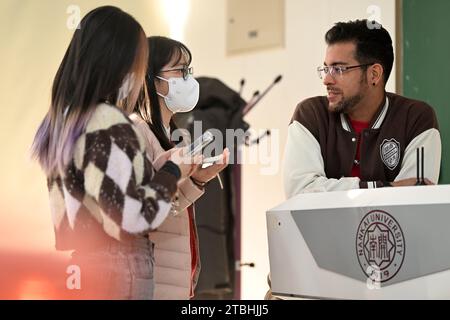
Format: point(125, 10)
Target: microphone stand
point(253, 101)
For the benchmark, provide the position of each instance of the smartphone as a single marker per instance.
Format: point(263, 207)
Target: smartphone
point(213, 160)
point(197, 146)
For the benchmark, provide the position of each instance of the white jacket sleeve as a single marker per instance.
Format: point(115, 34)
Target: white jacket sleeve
point(304, 166)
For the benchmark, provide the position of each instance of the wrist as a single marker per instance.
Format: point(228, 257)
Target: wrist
point(198, 183)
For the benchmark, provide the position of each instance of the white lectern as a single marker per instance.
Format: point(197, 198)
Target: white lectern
point(390, 243)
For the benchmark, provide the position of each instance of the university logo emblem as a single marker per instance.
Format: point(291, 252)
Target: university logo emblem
point(380, 246)
point(390, 153)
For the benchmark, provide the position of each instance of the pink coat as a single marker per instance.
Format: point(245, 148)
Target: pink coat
point(173, 274)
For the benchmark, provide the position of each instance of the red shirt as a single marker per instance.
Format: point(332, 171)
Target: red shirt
point(358, 127)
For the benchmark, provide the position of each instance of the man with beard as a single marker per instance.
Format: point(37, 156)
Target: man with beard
point(359, 135)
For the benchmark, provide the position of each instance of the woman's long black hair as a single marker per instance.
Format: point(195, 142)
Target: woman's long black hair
point(161, 51)
point(108, 45)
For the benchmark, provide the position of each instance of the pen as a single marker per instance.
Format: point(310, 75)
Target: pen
point(220, 180)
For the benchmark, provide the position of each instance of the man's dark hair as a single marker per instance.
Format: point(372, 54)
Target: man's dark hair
point(373, 42)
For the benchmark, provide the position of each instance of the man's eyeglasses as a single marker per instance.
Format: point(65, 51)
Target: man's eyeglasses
point(187, 71)
point(337, 70)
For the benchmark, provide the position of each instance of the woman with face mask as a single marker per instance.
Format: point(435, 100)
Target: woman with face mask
point(104, 194)
point(172, 89)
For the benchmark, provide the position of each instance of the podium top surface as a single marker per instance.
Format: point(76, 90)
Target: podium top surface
point(415, 195)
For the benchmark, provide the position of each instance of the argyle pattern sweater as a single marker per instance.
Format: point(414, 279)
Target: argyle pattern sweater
point(109, 189)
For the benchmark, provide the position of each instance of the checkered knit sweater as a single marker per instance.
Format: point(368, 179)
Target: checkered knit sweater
point(109, 189)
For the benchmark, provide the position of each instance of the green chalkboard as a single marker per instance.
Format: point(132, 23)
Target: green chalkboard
point(426, 63)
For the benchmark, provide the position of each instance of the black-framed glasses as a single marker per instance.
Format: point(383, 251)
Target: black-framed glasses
point(186, 70)
point(337, 70)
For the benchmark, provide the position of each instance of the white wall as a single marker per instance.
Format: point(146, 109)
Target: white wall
point(306, 24)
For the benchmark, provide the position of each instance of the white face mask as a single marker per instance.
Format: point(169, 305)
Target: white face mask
point(183, 94)
point(127, 85)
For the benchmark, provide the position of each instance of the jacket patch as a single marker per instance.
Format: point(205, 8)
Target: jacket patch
point(390, 153)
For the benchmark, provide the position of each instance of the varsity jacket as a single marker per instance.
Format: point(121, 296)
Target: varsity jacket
point(109, 190)
point(321, 146)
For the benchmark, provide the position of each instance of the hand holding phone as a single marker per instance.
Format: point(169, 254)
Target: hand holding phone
point(187, 164)
point(213, 160)
point(212, 167)
point(197, 146)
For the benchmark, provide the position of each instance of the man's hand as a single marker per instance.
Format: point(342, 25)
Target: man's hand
point(409, 182)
